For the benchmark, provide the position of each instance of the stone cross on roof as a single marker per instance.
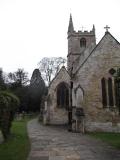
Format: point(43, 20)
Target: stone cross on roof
point(106, 27)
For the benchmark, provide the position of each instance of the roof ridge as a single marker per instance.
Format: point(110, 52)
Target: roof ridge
point(63, 67)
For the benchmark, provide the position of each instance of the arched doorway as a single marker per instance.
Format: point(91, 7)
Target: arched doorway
point(63, 95)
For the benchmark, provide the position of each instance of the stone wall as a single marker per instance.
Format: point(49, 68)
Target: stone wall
point(104, 57)
point(102, 127)
point(57, 115)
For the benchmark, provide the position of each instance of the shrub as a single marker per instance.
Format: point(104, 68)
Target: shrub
point(8, 105)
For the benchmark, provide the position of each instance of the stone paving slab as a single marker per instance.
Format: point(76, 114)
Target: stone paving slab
point(54, 143)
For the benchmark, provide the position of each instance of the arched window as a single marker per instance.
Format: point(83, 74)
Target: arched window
point(63, 95)
point(117, 92)
point(83, 42)
point(104, 92)
point(110, 92)
point(116, 86)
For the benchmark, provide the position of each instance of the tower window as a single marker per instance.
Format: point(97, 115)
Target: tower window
point(83, 42)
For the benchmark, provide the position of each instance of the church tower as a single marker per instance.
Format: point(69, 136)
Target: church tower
point(78, 42)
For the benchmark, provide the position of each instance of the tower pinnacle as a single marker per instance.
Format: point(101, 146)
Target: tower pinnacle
point(70, 27)
point(93, 28)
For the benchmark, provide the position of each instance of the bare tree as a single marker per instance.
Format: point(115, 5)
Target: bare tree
point(50, 66)
point(20, 77)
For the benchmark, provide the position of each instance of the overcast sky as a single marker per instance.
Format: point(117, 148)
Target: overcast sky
point(32, 29)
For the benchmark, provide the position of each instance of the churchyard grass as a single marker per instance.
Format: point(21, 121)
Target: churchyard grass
point(111, 138)
point(17, 146)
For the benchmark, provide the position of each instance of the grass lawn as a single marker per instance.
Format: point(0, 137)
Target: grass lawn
point(111, 138)
point(18, 146)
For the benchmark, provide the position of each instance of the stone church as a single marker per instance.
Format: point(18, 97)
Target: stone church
point(90, 80)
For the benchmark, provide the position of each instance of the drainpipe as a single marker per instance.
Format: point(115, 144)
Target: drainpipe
point(70, 104)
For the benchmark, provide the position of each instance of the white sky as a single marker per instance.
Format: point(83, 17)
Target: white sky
point(32, 29)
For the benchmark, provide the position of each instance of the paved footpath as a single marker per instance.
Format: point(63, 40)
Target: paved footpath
point(56, 143)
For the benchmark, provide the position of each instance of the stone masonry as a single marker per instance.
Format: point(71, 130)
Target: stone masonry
point(105, 56)
point(88, 64)
point(53, 113)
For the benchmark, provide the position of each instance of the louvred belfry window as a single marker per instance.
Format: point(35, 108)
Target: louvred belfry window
point(83, 42)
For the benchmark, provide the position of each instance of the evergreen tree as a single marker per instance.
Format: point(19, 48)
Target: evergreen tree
point(36, 90)
point(2, 83)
